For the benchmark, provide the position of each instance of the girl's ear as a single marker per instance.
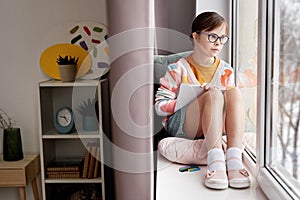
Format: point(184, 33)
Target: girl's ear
point(195, 35)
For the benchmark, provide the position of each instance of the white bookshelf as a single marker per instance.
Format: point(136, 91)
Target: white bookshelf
point(53, 95)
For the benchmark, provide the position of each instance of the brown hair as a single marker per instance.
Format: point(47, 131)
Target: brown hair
point(208, 21)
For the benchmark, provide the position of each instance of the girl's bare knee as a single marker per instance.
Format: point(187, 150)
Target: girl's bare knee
point(212, 98)
point(216, 96)
point(233, 94)
point(233, 91)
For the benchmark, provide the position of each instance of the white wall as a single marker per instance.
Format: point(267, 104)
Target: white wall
point(27, 29)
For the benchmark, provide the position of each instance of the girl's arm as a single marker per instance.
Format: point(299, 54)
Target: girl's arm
point(166, 95)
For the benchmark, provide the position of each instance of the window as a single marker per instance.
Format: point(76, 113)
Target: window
point(279, 99)
point(244, 24)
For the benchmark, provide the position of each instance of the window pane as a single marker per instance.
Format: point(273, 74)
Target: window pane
point(247, 17)
point(285, 160)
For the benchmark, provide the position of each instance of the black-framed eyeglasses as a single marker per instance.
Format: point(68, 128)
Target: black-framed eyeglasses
point(212, 37)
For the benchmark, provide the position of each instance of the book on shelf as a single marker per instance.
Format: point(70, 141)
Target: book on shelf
point(86, 160)
point(63, 174)
point(86, 167)
point(91, 161)
point(97, 164)
point(65, 165)
point(67, 168)
point(64, 169)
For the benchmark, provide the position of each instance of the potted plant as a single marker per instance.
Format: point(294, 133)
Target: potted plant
point(12, 142)
point(67, 67)
point(88, 112)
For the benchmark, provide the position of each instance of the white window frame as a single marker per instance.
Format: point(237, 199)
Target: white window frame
point(248, 157)
point(271, 182)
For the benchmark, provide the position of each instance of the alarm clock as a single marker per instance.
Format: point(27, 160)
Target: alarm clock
point(64, 120)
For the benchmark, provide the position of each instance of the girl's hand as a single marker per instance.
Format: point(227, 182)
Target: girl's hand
point(206, 86)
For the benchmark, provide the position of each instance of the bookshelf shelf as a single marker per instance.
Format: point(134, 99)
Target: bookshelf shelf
point(72, 161)
point(69, 180)
point(69, 136)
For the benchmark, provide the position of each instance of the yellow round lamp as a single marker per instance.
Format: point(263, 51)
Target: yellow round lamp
point(50, 67)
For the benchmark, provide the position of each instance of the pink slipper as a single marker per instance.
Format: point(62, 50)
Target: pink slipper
point(216, 179)
point(184, 151)
point(238, 178)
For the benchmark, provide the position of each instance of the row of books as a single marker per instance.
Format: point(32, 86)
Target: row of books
point(91, 161)
point(86, 167)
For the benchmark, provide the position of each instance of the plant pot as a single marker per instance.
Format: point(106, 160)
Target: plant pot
point(12, 144)
point(90, 123)
point(67, 73)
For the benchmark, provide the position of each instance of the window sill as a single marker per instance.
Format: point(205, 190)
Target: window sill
point(172, 184)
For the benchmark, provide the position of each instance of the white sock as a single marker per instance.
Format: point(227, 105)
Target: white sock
point(216, 160)
point(234, 158)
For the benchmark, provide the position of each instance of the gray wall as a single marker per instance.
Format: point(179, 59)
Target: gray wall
point(176, 16)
